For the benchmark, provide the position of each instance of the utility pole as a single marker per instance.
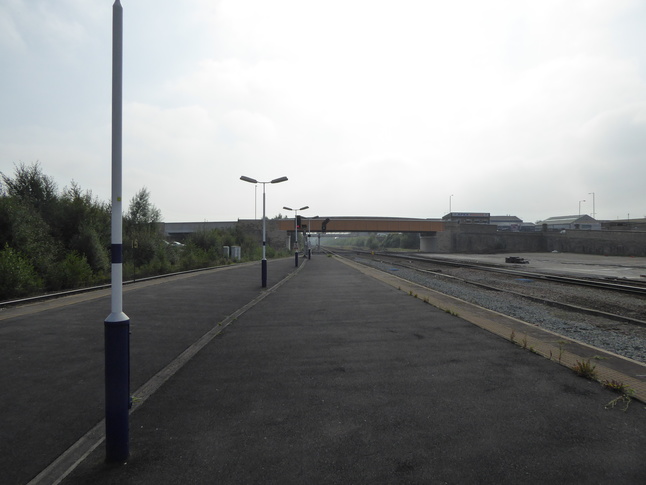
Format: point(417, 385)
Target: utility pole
point(594, 213)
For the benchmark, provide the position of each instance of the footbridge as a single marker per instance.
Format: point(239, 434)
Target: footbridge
point(363, 224)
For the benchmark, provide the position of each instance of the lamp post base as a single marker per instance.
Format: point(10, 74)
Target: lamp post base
point(117, 389)
point(264, 273)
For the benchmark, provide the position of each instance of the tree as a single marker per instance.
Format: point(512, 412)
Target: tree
point(24, 229)
point(84, 226)
point(63, 238)
point(143, 237)
point(141, 210)
point(32, 186)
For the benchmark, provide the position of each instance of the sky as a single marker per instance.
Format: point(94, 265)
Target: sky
point(402, 108)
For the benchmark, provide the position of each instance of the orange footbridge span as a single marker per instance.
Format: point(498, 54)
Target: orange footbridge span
point(363, 224)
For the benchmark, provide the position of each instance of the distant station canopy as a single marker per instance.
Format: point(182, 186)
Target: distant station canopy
point(468, 217)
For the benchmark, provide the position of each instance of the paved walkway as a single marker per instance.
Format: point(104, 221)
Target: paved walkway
point(336, 377)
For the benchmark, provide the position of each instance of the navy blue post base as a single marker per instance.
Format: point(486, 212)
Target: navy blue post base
point(296, 259)
point(264, 273)
point(117, 389)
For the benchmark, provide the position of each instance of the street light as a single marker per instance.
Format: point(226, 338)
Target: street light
point(296, 229)
point(264, 231)
point(450, 196)
point(594, 213)
point(580, 206)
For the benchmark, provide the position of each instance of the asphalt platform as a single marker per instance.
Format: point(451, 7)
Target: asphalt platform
point(327, 376)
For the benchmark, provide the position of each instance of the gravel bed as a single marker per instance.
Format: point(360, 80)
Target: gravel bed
point(622, 339)
point(607, 301)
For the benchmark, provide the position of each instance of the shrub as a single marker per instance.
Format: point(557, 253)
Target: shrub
point(18, 275)
point(89, 244)
point(73, 272)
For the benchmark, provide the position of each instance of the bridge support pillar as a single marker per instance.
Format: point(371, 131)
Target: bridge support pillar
point(428, 244)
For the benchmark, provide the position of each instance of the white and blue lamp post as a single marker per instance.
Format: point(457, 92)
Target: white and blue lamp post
point(117, 325)
point(264, 231)
point(296, 230)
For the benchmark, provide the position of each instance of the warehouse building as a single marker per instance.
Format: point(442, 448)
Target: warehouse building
point(580, 222)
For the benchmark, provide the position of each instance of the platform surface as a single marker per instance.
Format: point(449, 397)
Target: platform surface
point(333, 377)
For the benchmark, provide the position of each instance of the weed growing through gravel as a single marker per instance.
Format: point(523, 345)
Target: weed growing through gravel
point(512, 337)
point(585, 369)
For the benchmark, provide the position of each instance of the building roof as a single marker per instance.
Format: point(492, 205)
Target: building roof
point(509, 219)
point(580, 219)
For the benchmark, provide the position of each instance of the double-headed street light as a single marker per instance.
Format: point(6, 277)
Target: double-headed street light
point(264, 231)
point(296, 229)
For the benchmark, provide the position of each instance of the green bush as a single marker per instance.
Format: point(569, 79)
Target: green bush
point(89, 243)
point(193, 257)
point(73, 272)
point(18, 275)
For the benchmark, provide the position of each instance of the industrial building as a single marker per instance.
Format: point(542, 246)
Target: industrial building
point(468, 217)
point(512, 224)
point(581, 222)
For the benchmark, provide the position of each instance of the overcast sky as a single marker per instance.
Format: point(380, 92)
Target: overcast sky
point(370, 108)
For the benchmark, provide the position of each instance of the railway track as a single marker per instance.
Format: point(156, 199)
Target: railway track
point(634, 287)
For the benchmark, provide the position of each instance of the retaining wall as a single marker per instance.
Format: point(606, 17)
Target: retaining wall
point(474, 238)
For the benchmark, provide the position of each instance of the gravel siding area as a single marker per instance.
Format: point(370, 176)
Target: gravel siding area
point(622, 339)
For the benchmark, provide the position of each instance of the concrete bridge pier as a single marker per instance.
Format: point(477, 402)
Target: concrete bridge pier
point(428, 244)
